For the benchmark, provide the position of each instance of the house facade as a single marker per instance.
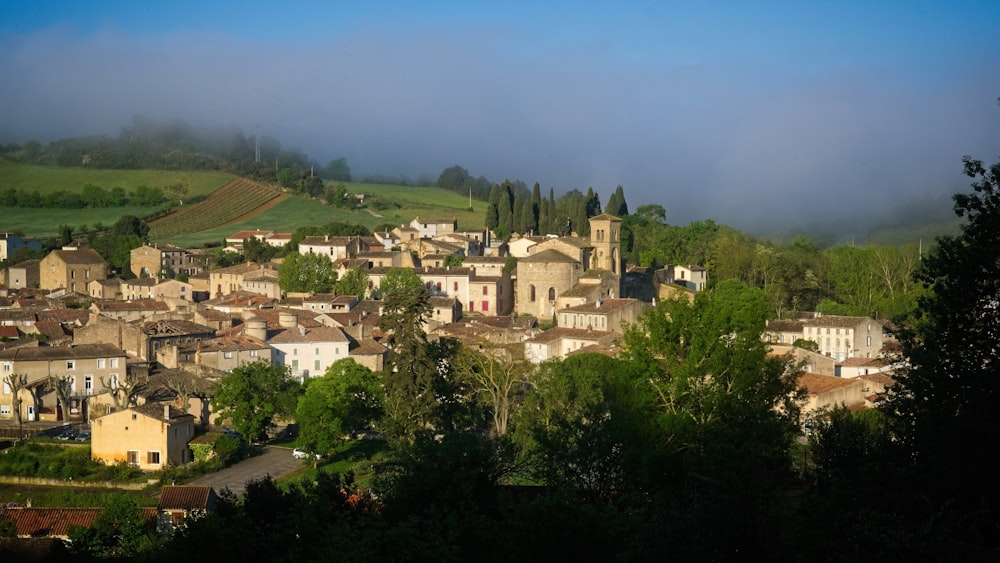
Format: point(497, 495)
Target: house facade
point(90, 368)
point(71, 270)
point(149, 437)
point(844, 337)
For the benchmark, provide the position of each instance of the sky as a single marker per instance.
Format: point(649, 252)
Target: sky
point(753, 114)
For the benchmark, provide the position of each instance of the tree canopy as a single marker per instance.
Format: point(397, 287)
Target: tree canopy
point(308, 273)
point(252, 395)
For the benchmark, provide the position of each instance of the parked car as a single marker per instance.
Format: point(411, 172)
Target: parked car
point(302, 453)
point(82, 437)
point(68, 434)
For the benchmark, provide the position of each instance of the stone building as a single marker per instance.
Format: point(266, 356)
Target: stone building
point(556, 266)
point(90, 368)
point(71, 270)
point(163, 261)
point(24, 275)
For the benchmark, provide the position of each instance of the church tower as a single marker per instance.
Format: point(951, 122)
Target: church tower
point(605, 237)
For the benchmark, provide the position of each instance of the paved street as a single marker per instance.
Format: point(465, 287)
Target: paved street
point(274, 461)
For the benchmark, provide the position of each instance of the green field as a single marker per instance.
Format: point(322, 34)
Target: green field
point(43, 223)
point(52, 178)
point(298, 211)
point(287, 216)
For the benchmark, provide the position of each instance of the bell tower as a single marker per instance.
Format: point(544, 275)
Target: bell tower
point(605, 231)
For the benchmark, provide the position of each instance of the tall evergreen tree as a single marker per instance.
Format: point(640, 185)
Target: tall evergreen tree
point(517, 211)
point(410, 369)
point(616, 203)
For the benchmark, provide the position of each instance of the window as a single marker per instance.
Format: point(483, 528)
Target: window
point(227, 355)
point(531, 293)
point(486, 290)
point(316, 352)
point(88, 384)
point(295, 351)
point(72, 384)
point(100, 363)
point(439, 286)
point(486, 305)
point(455, 287)
point(316, 365)
point(7, 367)
point(253, 353)
point(4, 410)
point(6, 388)
point(70, 364)
point(133, 458)
point(114, 362)
point(113, 380)
point(869, 341)
point(153, 458)
point(552, 294)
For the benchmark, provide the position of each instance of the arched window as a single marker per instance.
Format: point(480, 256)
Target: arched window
point(552, 294)
point(531, 293)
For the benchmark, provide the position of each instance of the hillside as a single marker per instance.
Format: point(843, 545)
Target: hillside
point(237, 200)
point(390, 204)
point(229, 204)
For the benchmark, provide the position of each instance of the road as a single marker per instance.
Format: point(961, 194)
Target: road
point(274, 461)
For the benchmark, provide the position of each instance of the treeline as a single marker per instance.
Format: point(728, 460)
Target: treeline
point(89, 196)
point(175, 145)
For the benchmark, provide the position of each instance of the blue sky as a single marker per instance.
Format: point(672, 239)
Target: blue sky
point(743, 112)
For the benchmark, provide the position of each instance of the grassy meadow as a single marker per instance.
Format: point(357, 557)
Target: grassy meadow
point(298, 211)
point(404, 202)
point(46, 179)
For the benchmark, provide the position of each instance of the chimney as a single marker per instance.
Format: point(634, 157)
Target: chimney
point(166, 412)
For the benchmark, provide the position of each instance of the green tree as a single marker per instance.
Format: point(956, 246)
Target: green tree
point(453, 178)
point(338, 171)
point(252, 395)
point(943, 405)
point(727, 401)
point(118, 532)
point(495, 379)
point(178, 191)
point(65, 235)
point(309, 273)
point(410, 370)
point(336, 195)
point(354, 282)
point(130, 225)
point(586, 422)
point(616, 203)
point(256, 250)
point(345, 401)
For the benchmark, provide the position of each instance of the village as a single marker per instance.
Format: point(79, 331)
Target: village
point(563, 295)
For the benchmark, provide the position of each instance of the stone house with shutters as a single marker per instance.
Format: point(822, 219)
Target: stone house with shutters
point(842, 337)
point(612, 315)
point(71, 270)
point(163, 261)
point(90, 368)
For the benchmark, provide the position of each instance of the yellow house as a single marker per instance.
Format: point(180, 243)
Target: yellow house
point(150, 437)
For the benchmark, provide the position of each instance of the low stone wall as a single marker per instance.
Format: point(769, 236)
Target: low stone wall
point(12, 480)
